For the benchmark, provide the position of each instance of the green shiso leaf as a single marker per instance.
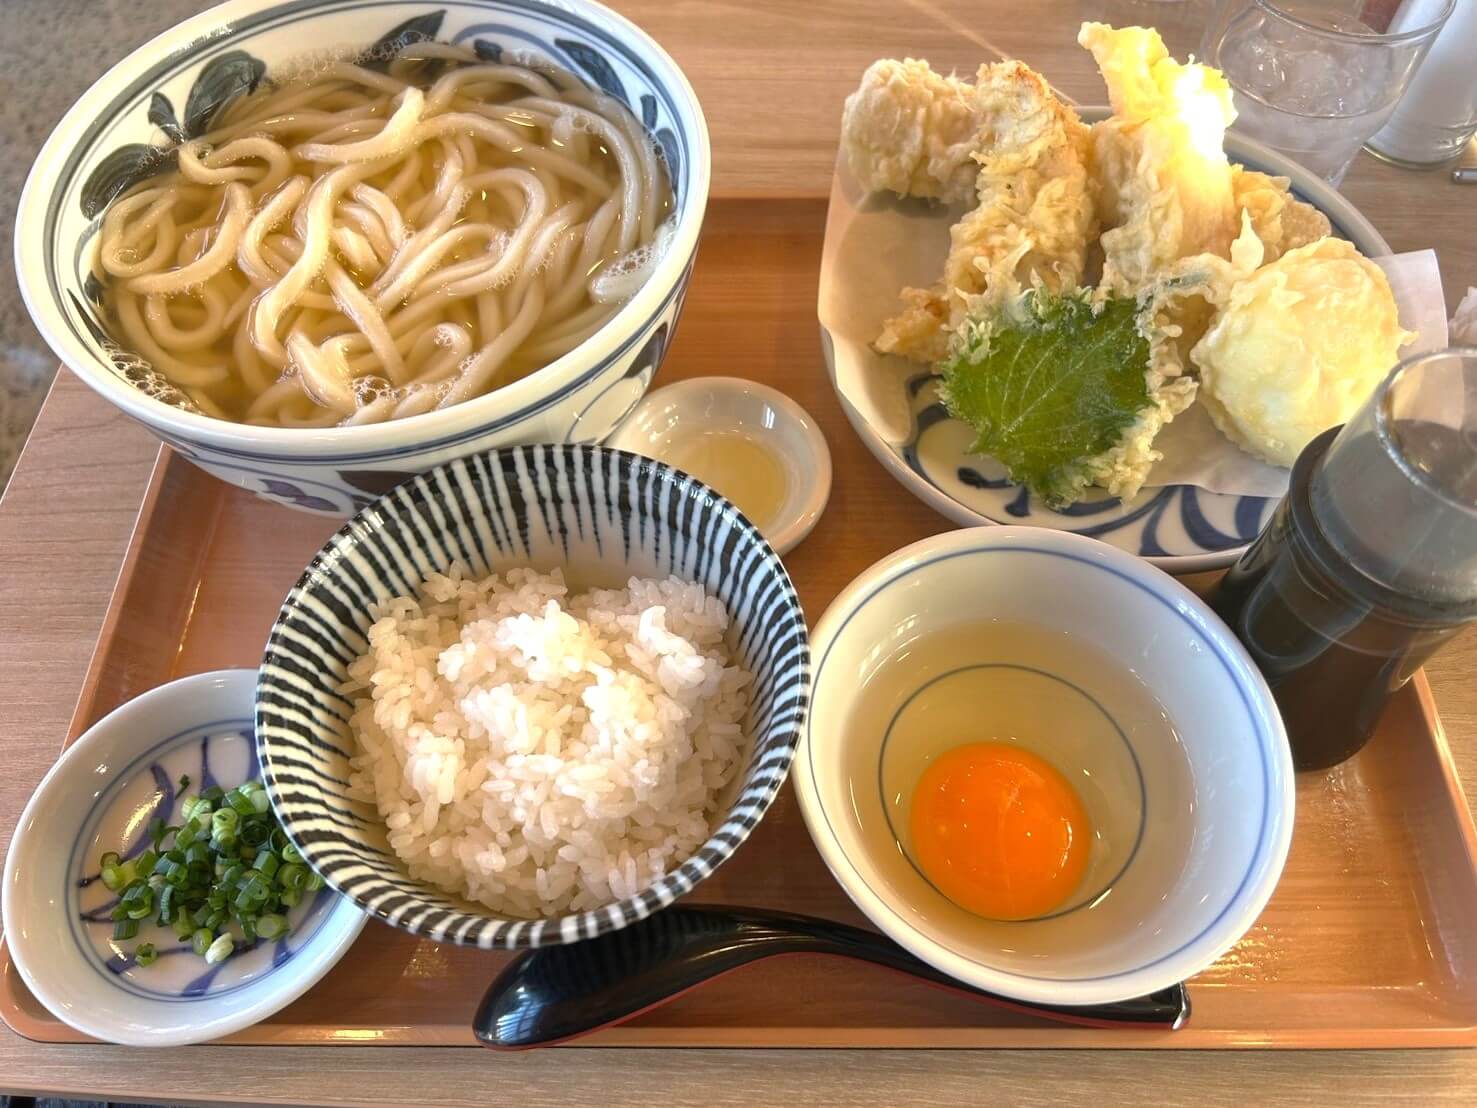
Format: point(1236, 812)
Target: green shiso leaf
point(1049, 384)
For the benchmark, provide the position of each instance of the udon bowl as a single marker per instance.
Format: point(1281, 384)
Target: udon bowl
point(602, 516)
point(579, 398)
point(1211, 811)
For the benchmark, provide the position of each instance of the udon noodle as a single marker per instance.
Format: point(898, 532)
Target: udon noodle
point(360, 245)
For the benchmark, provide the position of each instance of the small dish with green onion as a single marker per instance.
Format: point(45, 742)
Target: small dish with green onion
point(151, 896)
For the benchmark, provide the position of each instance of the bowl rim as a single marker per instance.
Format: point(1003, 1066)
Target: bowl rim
point(728, 830)
point(186, 698)
point(1265, 861)
point(34, 256)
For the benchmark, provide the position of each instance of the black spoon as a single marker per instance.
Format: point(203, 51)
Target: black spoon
point(556, 993)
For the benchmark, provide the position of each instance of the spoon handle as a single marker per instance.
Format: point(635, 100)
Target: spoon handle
point(556, 993)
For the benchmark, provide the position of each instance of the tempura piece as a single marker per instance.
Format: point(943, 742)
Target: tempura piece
point(1177, 306)
point(1163, 178)
point(1034, 221)
point(911, 131)
point(1279, 219)
point(1060, 390)
point(1297, 347)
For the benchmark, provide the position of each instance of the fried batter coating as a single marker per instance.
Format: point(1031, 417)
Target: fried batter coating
point(1163, 178)
point(1279, 219)
point(1034, 220)
point(911, 131)
point(1297, 347)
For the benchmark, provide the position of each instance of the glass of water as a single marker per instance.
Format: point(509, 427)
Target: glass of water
point(1314, 79)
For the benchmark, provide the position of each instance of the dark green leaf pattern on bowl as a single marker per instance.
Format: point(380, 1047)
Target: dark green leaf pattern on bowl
point(221, 82)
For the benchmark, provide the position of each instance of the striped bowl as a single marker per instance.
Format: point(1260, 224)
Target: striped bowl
point(595, 512)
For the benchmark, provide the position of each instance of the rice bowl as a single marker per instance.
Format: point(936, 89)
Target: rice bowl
point(600, 517)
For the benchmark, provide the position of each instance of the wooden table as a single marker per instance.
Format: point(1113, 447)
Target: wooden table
point(772, 78)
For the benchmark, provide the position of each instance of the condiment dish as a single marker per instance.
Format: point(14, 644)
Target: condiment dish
point(101, 795)
point(673, 423)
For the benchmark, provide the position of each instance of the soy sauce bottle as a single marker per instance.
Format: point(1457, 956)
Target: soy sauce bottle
point(1369, 564)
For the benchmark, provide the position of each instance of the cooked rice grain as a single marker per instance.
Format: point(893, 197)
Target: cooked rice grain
point(544, 753)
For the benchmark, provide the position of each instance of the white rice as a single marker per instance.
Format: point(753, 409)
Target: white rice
point(543, 753)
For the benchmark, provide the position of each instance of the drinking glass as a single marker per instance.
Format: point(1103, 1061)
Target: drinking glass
point(1369, 566)
point(1315, 79)
point(1437, 116)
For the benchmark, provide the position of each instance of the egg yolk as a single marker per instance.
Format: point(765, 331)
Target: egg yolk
point(999, 831)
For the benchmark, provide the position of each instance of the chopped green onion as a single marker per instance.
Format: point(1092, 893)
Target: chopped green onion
point(223, 826)
point(241, 802)
point(227, 874)
point(200, 941)
point(219, 950)
point(314, 882)
point(184, 924)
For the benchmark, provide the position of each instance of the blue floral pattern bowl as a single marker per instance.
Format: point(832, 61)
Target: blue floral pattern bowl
point(102, 795)
point(127, 126)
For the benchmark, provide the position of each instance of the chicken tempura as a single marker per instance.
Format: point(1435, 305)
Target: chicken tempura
point(911, 131)
point(1034, 220)
point(1164, 181)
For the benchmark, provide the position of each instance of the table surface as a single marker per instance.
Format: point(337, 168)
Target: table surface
point(771, 77)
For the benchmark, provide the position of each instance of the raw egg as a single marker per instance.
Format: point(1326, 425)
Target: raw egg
point(999, 831)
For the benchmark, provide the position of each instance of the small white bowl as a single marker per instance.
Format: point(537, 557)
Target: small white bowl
point(1218, 817)
point(101, 795)
point(705, 405)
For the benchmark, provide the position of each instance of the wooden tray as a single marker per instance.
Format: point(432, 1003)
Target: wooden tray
point(1368, 942)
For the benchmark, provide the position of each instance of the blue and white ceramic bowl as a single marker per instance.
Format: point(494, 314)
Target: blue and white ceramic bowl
point(1181, 528)
point(334, 471)
point(1213, 808)
point(102, 795)
point(602, 516)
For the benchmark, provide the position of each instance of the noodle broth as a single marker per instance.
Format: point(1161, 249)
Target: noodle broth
point(349, 245)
